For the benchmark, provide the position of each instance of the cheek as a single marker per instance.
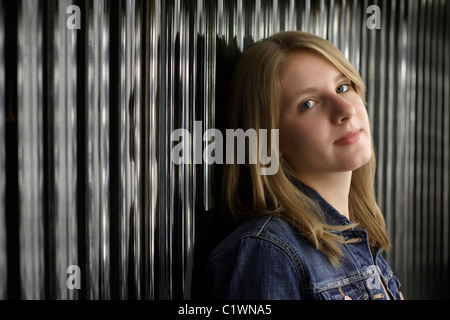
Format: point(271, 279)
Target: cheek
point(297, 137)
point(361, 110)
point(289, 136)
point(366, 152)
point(364, 119)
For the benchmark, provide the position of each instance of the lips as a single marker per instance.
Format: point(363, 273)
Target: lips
point(349, 138)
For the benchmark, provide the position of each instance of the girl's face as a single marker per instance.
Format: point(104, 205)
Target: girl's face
point(324, 126)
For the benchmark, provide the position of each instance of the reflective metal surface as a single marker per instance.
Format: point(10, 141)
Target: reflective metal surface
point(94, 108)
point(97, 150)
point(30, 156)
point(3, 266)
point(64, 108)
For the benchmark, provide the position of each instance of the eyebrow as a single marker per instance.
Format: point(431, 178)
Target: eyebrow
point(308, 90)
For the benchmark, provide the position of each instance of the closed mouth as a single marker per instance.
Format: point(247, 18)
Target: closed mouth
point(349, 138)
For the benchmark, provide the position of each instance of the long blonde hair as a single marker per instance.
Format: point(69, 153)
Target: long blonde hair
point(255, 102)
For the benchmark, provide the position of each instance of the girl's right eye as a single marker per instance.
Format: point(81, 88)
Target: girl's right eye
point(308, 104)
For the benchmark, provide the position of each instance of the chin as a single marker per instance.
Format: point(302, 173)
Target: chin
point(355, 163)
point(354, 159)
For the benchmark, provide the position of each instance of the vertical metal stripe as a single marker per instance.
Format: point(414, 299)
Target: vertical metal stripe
point(355, 35)
point(93, 193)
point(441, 198)
point(136, 67)
point(434, 160)
point(306, 17)
point(291, 21)
point(65, 149)
point(442, 195)
point(104, 108)
point(128, 160)
point(209, 28)
point(363, 44)
point(276, 19)
point(333, 27)
point(344, 25)
point(443, 145)
point(167, 214)
point(29, 110)
point(401, 160)
point(419, 212)
point(438, 140)
point(151, 128)
point(239, 26)
point(410, 96)
point(446, 146)
point(380, 106)
point(124, 148)
point(388, 139)
point(426, 213)
point(374, 70)
point(97, 114)
point(130, 154)
point(163, 172)
point(220, 20)
point(187, 121)
point(3, 258)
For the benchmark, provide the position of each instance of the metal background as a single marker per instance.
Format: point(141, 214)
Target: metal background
point(86, 117)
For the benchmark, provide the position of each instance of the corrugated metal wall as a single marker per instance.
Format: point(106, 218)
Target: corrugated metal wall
point(86, 116)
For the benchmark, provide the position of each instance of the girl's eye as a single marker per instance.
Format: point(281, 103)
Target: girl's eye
point(308, 104)
point(343, 88)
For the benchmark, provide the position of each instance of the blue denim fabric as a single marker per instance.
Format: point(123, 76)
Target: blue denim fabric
point(267, 259)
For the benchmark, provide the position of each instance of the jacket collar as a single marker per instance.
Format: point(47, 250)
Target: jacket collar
point(332, 216)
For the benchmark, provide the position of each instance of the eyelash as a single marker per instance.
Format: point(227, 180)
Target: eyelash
point(314, 102)
point(307, 108)
point(344, 84)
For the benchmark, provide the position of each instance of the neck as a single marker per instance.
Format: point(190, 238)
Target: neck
point(333, 187)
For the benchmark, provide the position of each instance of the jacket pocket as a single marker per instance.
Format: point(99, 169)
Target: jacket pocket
point(349, 291)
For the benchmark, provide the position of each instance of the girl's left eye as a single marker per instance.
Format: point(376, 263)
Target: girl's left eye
point(308, 104)
point(343, 88)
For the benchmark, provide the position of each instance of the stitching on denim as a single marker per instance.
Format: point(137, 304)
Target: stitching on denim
point(350, 253)
point(263, 226)
point(250, 233)
point(290, 252)
point(259, 234)
point(389, 274)
point(282, 245)
point(342, 282)
point(278, 243)
point(347, 246)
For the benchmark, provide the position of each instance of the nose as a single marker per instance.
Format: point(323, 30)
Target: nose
point(342, 110)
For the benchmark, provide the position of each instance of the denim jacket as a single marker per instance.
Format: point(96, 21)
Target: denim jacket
point(267, 259)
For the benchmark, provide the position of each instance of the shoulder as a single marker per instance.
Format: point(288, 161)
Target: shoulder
point(266, 233)
point(258, 260)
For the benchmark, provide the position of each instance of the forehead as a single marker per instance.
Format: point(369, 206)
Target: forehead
point(308, 66)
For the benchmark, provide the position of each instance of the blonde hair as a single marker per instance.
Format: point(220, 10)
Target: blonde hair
point(255, 101)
